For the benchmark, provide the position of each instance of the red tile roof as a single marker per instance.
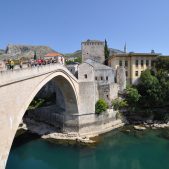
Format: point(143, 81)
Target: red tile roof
point(53, 54)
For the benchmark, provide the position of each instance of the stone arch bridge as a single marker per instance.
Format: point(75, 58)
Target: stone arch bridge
point(19, 87)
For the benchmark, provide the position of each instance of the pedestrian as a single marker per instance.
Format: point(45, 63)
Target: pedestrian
point(12, 64)
point(20, 63)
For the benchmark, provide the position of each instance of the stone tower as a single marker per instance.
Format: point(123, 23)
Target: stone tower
point(93, 49)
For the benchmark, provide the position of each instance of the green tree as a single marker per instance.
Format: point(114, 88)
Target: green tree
point(101, 106)
point(132, 96)
point(119, 104)
point(162, 63)
point(78, 59)
point(106, 52)
point(150, 89)
point(35, 56)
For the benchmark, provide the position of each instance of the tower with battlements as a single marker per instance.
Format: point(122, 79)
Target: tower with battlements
point(93, 49)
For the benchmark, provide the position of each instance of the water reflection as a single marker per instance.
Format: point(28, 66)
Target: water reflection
point(116, 150)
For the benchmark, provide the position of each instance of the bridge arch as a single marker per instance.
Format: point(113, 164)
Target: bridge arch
point(21, 93)
point(68, 88)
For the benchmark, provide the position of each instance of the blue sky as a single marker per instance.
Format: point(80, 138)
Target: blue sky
point(63, 24)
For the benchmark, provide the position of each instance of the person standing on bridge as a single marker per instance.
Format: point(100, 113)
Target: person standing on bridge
point(11, 64)
point(20, 63)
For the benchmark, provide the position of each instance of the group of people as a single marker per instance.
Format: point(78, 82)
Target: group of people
point(10, 64)
point(39, 62)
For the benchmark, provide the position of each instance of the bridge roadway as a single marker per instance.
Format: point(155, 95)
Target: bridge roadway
point(17, 90)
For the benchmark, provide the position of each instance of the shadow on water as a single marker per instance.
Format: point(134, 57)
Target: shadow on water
point(24, 139)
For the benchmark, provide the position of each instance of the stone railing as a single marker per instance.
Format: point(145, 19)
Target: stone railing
point(11, 76)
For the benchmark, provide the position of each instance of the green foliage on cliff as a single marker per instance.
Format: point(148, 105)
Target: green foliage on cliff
point(36, 103)
point(119, 104)
point(78, 60)
point(101, 106)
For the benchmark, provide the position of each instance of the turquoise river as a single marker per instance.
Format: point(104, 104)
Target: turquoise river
point(115, 150)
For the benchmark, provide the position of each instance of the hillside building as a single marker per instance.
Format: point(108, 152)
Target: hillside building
point(134, 64)
point(93, 49)
point(55, 56)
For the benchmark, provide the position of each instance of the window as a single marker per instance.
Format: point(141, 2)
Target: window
point(85, 76)
point(120, 63)
point(101, 78)
point(107, 96)
point(96, 78)
point(142, 63)
point(147, 62)
point(126, 63)
point(141, 72)
point(126, 73)
point(136, 63)
point(107, 77)
point(136, 73)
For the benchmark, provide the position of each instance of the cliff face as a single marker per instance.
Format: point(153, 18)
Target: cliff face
point(26, 51)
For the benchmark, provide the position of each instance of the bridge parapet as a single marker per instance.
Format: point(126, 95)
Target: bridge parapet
point(12, 76)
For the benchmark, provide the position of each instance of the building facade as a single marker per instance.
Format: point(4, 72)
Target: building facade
point(101, 76)
point(134, 64)
point(73, 68)
point(59, 58)
point(93, 49)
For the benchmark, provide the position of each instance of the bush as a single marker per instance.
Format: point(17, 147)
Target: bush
point(119, 104)
point(101, 106)
point(132, 96)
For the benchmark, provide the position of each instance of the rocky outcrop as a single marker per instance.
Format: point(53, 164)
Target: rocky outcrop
point(139, 128)
point(25, 51)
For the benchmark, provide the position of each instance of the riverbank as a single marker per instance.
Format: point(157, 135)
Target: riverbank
point(50, 133)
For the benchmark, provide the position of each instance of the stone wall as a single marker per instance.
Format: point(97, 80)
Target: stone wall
point(48, 115)
point(93, 50)
point(83, 124)
point(92, 124)
point(121, 78)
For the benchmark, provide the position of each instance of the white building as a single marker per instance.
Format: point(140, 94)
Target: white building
point(93, 49)
point(73, 68)
point(55, 56)
point(102, 76)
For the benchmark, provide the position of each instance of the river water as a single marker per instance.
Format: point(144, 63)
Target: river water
point(115, 150)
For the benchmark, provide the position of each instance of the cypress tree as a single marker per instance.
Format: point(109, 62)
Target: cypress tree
point(35, 57)
point(106, 52)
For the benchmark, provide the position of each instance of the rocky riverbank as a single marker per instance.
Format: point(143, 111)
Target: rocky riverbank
point(51, 133)
point(144, 126)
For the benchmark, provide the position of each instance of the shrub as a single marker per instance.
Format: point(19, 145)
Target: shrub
point(132, 96)
point(119, 104)
point(101, 106)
